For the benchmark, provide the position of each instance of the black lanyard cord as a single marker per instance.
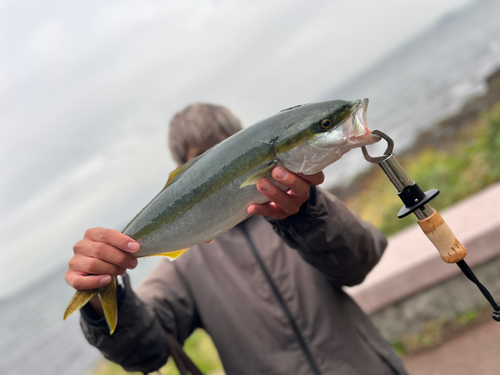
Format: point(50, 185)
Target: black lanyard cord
point(470, 275)
point(284, 306)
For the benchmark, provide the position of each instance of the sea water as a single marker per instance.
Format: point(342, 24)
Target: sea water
point(423, 81)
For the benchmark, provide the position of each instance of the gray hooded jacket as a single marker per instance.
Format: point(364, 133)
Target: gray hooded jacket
point(272, 301)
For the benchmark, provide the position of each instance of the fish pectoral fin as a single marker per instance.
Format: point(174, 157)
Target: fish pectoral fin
point(170, 254)
point(107, 295)
point(252, 180)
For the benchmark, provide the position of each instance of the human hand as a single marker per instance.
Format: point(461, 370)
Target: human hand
point(284, 203)
point(101, 254)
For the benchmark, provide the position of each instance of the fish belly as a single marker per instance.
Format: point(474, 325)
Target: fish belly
point(209, 214)
point(203, 222)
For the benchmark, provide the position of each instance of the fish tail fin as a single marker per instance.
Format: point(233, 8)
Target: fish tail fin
point(79, 300)
point(107, 295)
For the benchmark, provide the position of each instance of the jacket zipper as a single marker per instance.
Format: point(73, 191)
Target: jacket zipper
point(279, 297)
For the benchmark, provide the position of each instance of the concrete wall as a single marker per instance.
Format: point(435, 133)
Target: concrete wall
point(454, 296)
point(412, 285)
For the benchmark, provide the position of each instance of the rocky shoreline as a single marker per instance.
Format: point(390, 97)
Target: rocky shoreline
point(443, 135)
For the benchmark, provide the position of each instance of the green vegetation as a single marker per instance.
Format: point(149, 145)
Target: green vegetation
point(471, 164)
point(435, 332)
point(199, 347)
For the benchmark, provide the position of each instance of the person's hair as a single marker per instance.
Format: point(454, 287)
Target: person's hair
point(201, 125)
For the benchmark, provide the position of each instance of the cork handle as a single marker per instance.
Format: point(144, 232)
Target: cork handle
point(435, 228)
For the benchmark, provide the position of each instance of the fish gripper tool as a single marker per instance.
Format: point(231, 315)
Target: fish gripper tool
point(433, 225)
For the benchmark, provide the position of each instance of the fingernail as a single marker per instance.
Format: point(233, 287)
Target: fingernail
point(252, 210)
point(105, 280)
point(132, 263)
point(133, 246)
point(266, 186)
point(281, 173)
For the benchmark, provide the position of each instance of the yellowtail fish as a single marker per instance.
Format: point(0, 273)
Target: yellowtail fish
point(210, 194)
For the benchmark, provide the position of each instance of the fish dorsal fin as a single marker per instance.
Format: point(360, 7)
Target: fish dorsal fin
point(252, 180)
point(176, 173)
point(170, 254)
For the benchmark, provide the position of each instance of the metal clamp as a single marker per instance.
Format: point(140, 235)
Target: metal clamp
point(388, 151)
point(415, 200)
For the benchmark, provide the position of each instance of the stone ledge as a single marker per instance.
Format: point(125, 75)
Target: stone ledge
point(444, 300)
point(411, 264)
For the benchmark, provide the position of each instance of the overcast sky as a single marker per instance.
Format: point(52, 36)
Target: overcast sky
point(87, 88)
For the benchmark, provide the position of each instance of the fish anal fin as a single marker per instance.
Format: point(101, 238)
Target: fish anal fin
point(79, 300)
point(107, 294)
point(252, 180)
point(170, 254)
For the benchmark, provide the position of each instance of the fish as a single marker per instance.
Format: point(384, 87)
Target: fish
point(210, 194)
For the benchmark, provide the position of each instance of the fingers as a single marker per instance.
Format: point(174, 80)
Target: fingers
point(298, 184)
point(82, 282)
point(102, 253)
point(94, 266)
point(113, 238)
point(105, 252)
point(288, 202)
point(314, 179)
point(270, 210)
point(284, 204)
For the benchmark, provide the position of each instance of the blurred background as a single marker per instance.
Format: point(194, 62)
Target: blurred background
point(87, 90)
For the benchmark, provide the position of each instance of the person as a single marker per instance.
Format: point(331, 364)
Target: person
point(268, 291)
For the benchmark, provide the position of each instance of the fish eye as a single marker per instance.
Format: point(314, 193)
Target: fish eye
point(326, 124)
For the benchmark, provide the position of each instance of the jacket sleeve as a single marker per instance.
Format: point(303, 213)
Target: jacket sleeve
point(139, 342)
point(332, 239)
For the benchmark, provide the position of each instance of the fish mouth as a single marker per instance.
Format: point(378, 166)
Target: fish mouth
point(356, 131)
